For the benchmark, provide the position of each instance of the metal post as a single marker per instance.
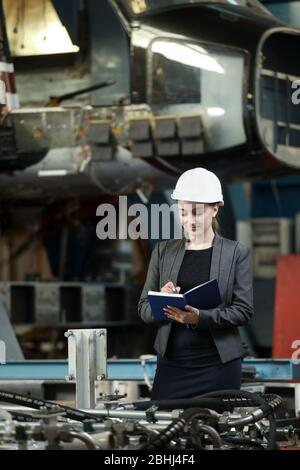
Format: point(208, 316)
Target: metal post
point(87, 363)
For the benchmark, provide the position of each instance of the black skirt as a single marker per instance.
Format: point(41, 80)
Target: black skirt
point(174, 379)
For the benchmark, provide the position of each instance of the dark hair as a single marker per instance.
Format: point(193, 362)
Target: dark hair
point(215, 222)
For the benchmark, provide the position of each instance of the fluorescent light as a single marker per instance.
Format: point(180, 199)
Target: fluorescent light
point(52, 172)
point(188, 54)
point(215, 111)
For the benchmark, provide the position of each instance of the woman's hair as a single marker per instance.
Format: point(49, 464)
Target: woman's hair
point(215, 222)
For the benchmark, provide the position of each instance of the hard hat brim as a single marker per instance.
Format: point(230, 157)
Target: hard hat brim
point(189, 198)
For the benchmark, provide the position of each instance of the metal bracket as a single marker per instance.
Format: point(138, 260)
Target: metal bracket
point(87, 361)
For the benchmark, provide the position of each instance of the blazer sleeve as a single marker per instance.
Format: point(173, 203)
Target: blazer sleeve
point(240, 311)
point(152, 283)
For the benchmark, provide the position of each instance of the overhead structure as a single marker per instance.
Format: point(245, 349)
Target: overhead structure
point(190, 83)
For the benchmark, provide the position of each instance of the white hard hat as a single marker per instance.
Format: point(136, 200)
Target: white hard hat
point(198, 185)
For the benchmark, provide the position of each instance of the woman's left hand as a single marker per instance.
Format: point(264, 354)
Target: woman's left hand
point(189, 315)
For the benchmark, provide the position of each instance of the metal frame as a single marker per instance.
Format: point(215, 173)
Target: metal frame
point(257, 88)
point(87, 363)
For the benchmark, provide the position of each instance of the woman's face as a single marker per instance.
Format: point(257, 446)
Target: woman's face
point(196, 217)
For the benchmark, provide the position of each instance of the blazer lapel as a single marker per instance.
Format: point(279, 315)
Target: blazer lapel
point(179, 251)
point(216, 258)
point(177, 260)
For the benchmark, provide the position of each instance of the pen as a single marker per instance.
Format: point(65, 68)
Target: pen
point(187, 325)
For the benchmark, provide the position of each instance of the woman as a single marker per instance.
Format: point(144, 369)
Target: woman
point(199, 351)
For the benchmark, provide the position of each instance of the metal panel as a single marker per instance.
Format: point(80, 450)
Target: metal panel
point(44, 128)
point(109, 53)
point(270, 238)
point(47, 303)
point(93, 303)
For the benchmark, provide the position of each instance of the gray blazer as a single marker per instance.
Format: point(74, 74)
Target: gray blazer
point(231, 266)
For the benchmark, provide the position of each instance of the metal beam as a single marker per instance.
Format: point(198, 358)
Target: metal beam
point(132, 369)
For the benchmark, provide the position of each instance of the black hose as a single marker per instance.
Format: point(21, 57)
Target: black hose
point(268, 404)
point(23, 417)
point(226, 399)
point(37, 404)
point(178, 425)
point(166, 435)
point(181, 403)
point(243, 441)
point(222, 400)
point(252, 399)
point(272, 444)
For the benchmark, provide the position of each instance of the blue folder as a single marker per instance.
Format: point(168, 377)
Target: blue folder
point(204, 296)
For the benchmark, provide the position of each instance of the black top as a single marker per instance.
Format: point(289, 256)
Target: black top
point(186, 344)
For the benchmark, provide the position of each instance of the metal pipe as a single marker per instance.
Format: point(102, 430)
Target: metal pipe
point(252, 417)
point(217, 442)
point(132, 414)
point(84, 437)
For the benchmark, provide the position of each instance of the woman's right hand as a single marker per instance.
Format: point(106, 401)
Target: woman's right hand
point(169, 288)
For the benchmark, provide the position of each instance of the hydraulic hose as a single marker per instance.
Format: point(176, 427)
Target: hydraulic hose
point(228, 399)
point(180, 403)
point(243, 442)
point(222, 400)
point(178, 425)
point(37, 404)
point(167, 435)
point(267, 405)
point(267, 402)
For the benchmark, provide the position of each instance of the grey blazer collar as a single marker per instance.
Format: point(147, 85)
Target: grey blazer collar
point(215, 260)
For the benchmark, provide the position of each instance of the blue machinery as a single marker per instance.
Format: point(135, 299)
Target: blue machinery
point(135, 369)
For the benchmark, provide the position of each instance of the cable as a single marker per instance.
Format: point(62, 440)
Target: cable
point(226, 399)
point(243, 441)
point(23, 417)
point(167, 434)
point(24, 400)
point(267, 402)
point(180, 403)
